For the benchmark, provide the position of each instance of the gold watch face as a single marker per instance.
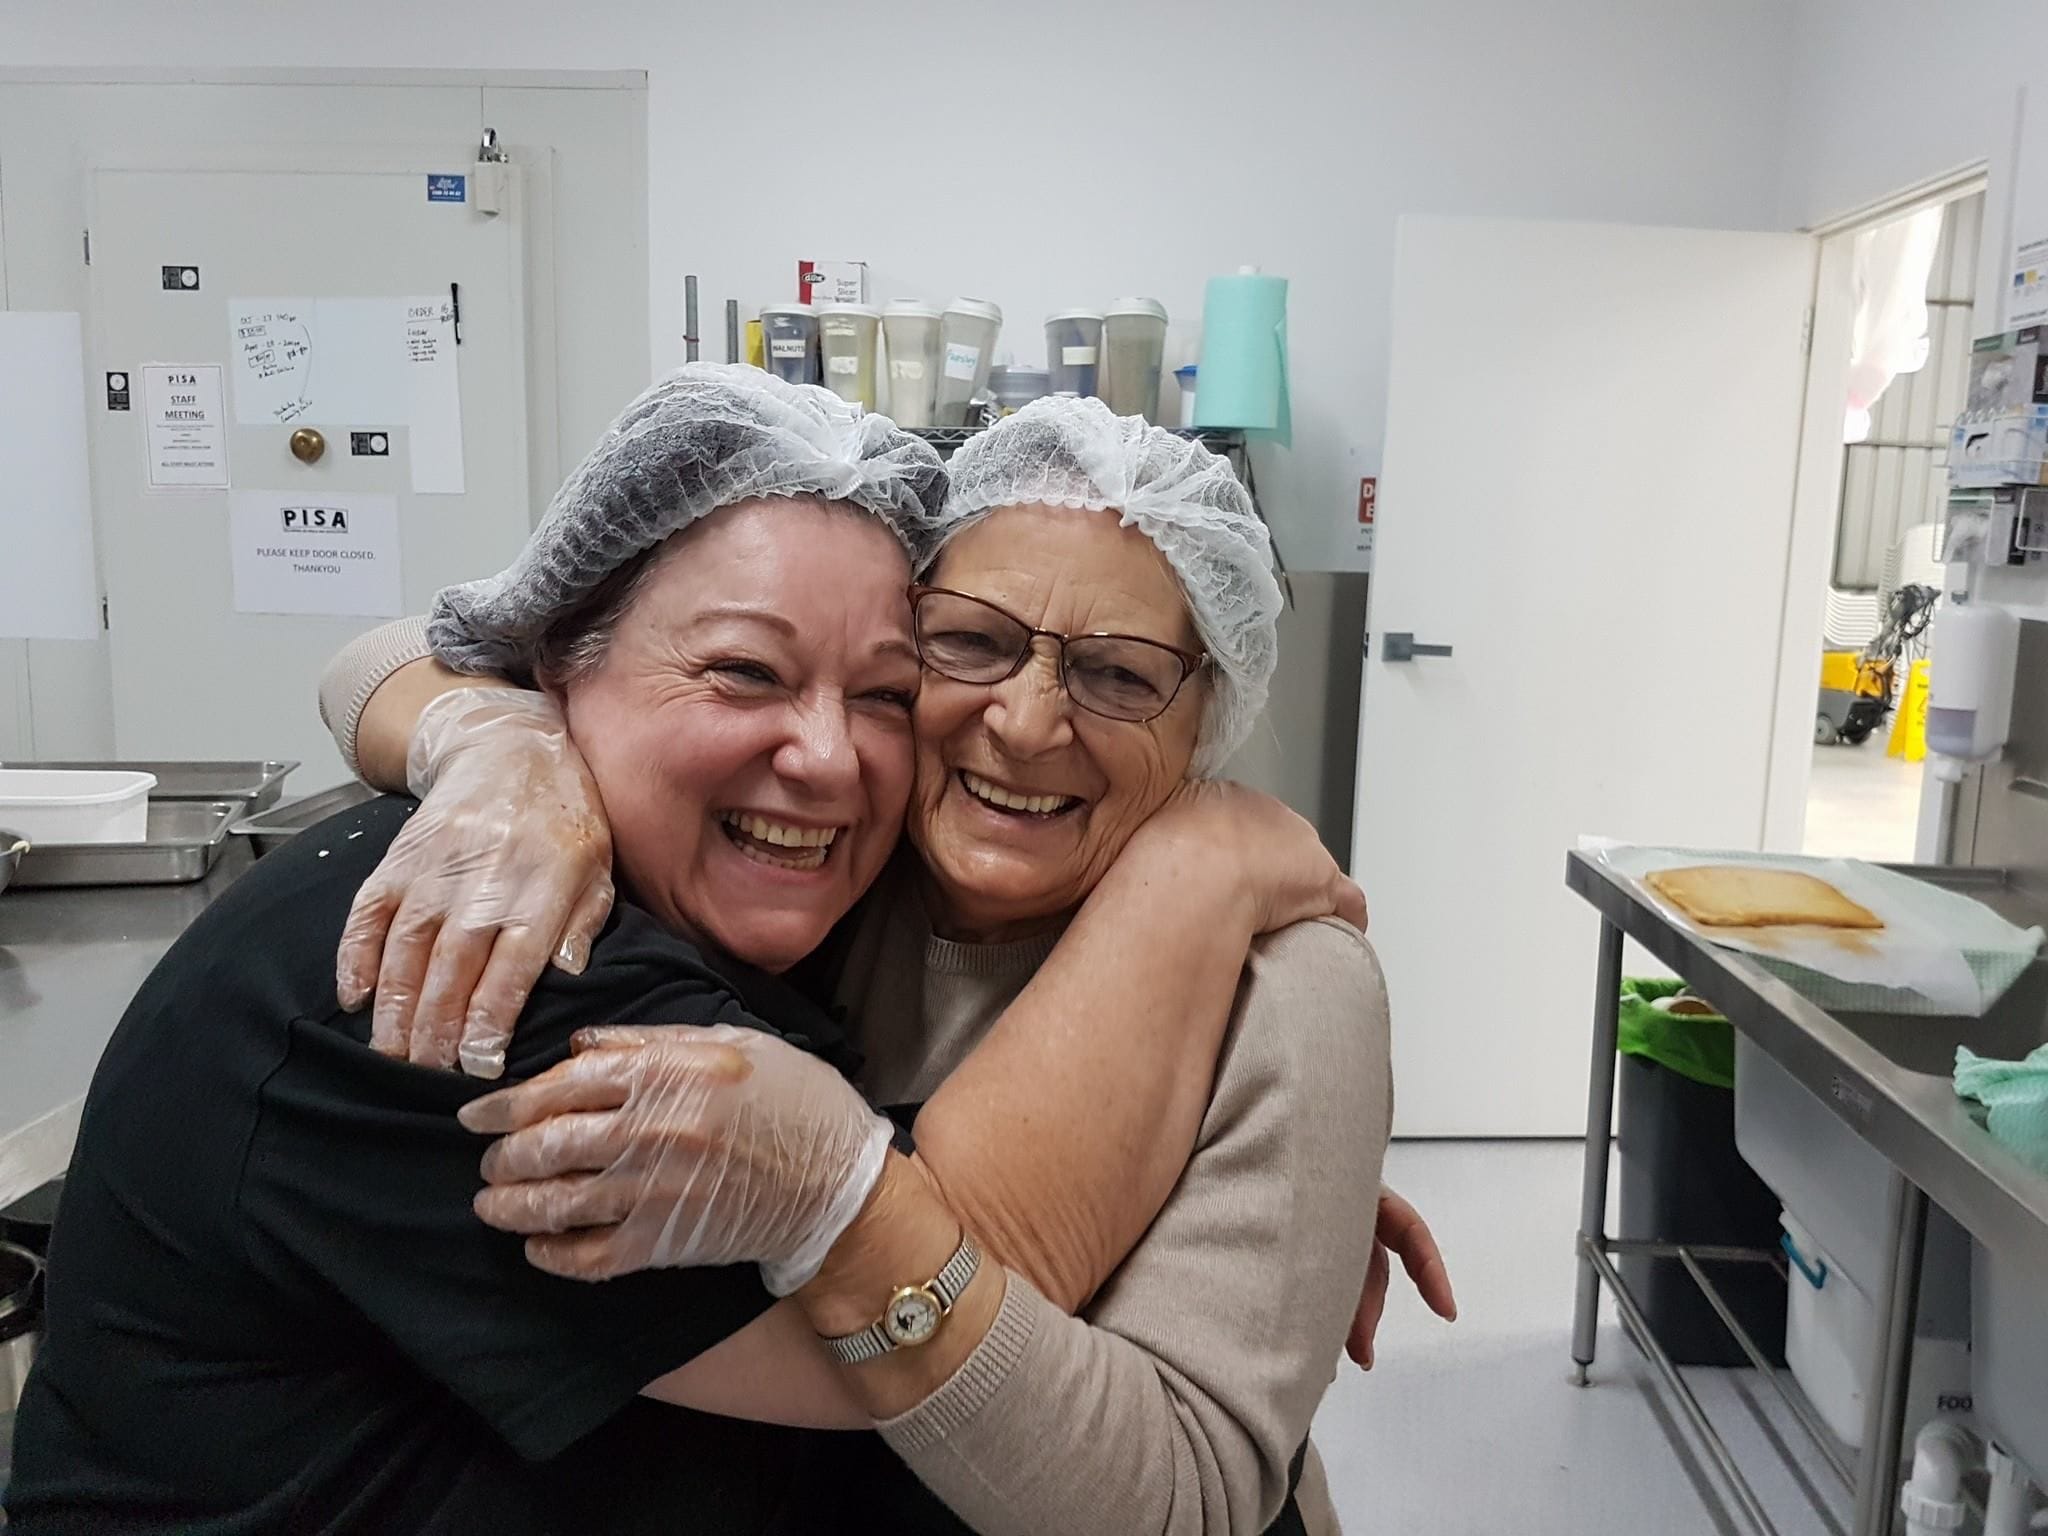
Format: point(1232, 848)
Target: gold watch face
point(913, 1315)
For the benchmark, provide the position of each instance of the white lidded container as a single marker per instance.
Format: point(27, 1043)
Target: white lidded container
point(1830, 1330)
point(75, 805)
point(910, 335)
point(1133, 357)
point(847, 344)
point(1073, 350)
point(967, 344)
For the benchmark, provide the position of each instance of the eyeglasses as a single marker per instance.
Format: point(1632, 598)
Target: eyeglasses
point(1121, 677)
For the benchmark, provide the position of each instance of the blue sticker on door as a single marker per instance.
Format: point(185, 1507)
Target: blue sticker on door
point(447, 189)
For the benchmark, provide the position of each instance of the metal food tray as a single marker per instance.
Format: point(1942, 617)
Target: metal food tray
point(256, 784)
point(184, 842)
point(277, 826)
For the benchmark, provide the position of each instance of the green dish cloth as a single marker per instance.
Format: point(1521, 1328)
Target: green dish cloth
point(2016, 1095)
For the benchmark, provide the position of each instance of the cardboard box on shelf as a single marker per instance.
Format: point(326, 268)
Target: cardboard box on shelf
point(832, 282)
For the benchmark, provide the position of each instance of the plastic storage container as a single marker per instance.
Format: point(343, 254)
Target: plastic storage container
point(910, 335)
point(1185, 378)
point(64, 805)
point(847, 344)
point(790, 334)
point(1830, 1332)
point(1073, 351)
point(1014, 388)
point(967, 342)
point(1831, 1339)
point(1133, 353)
point(2009, 1357)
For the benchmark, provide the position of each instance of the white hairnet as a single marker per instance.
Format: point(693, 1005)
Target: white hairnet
point(1187, 500)
point(705, 437)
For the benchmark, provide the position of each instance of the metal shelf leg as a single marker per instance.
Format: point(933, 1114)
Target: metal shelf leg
point(1884, 1415)
point(1599, 1128)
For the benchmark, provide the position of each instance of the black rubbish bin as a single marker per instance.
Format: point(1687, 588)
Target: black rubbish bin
point(1682, 1181)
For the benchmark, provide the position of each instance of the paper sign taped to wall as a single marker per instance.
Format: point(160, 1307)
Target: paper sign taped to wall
point(319, 362)
point(2027, 303)
point(184, 427)
point(435, 388)
point(294, 553)
point(48, 590)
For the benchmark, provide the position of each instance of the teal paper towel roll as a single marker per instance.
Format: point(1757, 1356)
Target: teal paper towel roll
point(1242, 378)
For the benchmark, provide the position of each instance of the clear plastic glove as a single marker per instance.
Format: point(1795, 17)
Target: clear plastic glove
point(505, 865)
point(1399, 1231)
point(1284, 868)
point(677, 1147)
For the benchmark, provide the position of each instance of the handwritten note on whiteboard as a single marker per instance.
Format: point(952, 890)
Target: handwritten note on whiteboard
point(272, 342)
point(321, 362)
point(436, 396)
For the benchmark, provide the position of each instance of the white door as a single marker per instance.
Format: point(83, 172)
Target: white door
point(193, 674)
point(1587, 494)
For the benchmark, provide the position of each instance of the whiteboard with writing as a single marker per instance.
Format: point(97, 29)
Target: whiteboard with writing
point(321, 362)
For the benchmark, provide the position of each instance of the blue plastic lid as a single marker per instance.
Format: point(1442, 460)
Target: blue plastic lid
point(1186, 372)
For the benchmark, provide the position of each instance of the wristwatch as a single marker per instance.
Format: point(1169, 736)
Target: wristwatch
point(913, 1314)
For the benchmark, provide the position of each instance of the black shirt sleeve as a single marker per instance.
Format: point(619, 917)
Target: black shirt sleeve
point(359, 1181)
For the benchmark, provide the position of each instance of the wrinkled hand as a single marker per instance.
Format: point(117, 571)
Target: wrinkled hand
point(677, 1147)
point(506, 864)
point(1286, 871)
point(1399, 1229)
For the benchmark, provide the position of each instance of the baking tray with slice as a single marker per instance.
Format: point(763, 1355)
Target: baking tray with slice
point(272, 829)
point(184, 842)
point(256, 783)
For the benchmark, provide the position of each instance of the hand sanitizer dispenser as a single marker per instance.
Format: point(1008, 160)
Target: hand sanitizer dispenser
point(1969, 703)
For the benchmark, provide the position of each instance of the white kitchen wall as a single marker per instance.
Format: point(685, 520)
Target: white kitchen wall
point(1887, 93)
point(1063, 152)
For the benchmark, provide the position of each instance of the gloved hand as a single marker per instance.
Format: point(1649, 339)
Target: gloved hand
point(1282, 866)
point(1399, 1229)
point(506, 863)
point(677, 1147)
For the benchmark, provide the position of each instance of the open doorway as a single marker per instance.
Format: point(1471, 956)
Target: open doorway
point(1884, 579)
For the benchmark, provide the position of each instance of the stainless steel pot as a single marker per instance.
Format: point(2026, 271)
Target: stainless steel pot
point(21, 1317)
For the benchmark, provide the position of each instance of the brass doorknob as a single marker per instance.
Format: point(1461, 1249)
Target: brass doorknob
point(308, 445)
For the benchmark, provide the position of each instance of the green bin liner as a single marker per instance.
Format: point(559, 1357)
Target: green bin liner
point(1700, 1046)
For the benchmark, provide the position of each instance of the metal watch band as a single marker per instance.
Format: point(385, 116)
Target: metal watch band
point(946, 1286)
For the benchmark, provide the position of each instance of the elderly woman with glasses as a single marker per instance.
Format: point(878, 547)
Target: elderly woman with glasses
point(1098, 633)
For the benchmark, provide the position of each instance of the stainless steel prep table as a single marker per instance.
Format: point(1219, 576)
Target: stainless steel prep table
point(1888, 1078)
point(70, 960)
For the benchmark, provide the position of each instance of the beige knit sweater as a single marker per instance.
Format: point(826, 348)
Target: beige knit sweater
point(1175, 1403)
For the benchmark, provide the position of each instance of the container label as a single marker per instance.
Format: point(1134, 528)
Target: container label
point(842, 365)
point(909, 368)
point(787, 346)
point(961, 361)
point(1077, 357)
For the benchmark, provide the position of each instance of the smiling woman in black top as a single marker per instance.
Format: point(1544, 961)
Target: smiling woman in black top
point(270, 1304)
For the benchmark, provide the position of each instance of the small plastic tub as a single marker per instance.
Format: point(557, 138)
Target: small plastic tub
point(847, 343)
point(1014, 388)
point(75, 805)
point(790, 333)
point(1073, 350)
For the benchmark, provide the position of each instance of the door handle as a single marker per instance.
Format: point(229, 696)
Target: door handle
point(1400, 645)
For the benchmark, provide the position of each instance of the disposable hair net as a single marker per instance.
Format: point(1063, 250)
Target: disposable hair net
point(705, 437)
point(1187, 500)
